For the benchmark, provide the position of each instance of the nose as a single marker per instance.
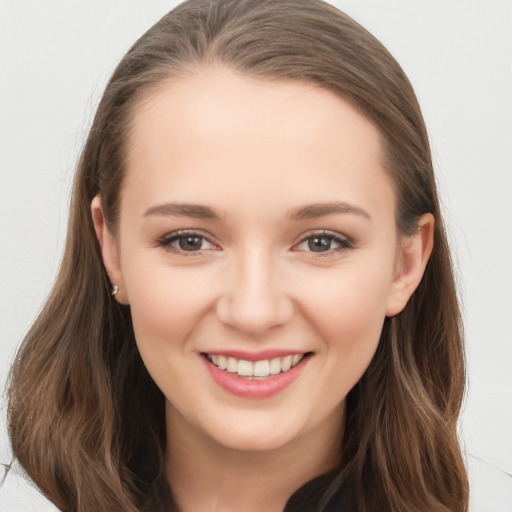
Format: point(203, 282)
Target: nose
point(254, 298)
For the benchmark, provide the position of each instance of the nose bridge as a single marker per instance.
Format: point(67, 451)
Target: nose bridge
point(254, 299)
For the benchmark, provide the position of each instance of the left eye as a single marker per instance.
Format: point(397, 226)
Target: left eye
point(324, 243)
point(186, 242)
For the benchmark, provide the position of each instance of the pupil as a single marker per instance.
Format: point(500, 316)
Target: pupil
point(319, 244)
point(190, 243)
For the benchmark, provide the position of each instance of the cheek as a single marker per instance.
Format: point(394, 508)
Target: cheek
point(166, 306)
point(166, 303)
point(348, 313)
point(349, 302)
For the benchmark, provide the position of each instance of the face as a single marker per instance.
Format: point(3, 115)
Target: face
point(258, 252)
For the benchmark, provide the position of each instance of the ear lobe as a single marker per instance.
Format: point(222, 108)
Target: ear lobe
point(109, 250)
point(414, 253)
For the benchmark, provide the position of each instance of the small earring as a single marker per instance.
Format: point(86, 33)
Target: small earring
point(115, 289)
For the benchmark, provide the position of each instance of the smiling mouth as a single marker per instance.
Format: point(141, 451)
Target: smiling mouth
point(257, 370)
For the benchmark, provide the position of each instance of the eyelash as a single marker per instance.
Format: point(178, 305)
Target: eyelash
point(166, 241)
point(344, 243)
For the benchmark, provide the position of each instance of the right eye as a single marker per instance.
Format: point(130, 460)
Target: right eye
point(186, 243)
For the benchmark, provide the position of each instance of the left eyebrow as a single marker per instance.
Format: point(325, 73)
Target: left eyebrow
point(196, 211)
point(321, 209)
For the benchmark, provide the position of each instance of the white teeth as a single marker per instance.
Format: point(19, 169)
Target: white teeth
point(286, 363)
point(231, 365)
point(244, 368)
point(260, 369)
point(296, 358)
point(275, 366)
point(222, 362)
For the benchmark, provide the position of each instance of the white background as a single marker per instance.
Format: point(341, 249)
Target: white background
point(56, 55)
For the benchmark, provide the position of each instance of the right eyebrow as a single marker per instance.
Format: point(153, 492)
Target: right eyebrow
point(196, 211)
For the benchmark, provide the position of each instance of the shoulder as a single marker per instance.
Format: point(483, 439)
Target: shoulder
point(18, 493)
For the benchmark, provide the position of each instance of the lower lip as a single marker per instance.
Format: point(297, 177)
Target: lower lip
point(245, 388)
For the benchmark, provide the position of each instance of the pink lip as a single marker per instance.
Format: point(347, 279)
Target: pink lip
point(254, 356)
point(244, 388)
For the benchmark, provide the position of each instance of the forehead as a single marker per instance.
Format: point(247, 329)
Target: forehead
point(219, 131)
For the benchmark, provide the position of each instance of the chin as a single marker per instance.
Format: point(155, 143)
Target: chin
point(256, 437)
point(256, 443)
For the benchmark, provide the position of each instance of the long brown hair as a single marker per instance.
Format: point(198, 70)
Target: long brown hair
point(87, 422)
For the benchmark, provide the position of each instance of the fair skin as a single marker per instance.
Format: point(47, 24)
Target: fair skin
point(290, 249)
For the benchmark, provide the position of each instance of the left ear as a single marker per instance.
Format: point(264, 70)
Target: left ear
point(412, 258)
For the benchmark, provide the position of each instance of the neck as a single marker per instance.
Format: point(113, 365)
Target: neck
point(207, 476)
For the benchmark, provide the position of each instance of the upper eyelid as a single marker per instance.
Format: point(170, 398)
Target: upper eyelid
point(345, 243)
point(166, 240)
point(188, 232)
point(324, 232)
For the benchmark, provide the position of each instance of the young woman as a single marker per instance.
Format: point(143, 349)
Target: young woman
point(256, 308)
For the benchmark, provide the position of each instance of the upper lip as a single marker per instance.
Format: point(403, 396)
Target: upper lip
point(255, 356)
